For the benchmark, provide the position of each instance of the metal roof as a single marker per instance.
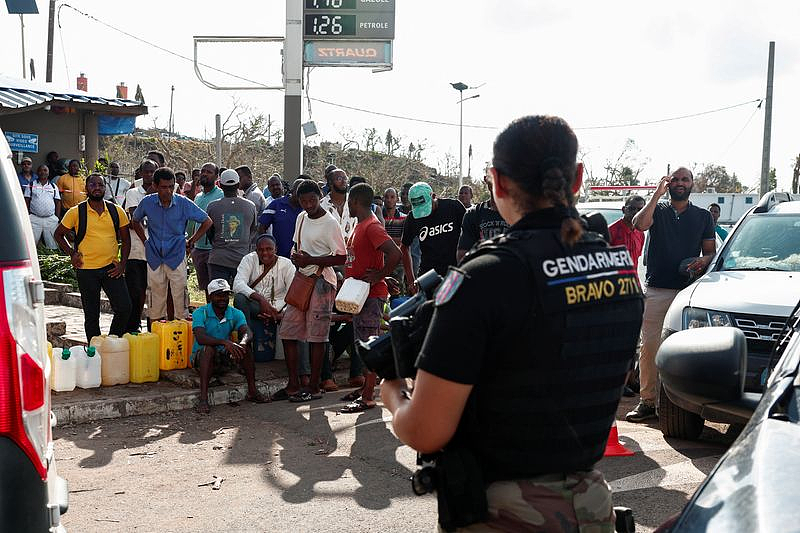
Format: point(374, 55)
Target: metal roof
point(17, 96)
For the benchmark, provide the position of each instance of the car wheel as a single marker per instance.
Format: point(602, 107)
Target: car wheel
point(677, 422)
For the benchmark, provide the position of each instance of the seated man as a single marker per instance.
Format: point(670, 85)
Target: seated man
point(212, 326)
point(261, 282)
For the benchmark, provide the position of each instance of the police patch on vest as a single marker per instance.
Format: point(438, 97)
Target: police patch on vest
point(448, 287)
point(589, 277)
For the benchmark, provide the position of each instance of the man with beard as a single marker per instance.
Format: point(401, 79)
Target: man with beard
point(94, 256)
point(202, 248)
point(335, 202)
point(678, 231)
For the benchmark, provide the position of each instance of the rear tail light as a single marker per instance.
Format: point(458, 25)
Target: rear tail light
point(24, 366)
point(32, 384)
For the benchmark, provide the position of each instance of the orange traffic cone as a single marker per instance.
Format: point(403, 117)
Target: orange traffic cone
point(614, 447)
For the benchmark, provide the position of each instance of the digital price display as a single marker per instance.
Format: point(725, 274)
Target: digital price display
point(330, 4)
point(330, 25)
point(348, 19)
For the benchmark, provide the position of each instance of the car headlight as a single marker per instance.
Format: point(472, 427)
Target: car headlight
point(694, 317)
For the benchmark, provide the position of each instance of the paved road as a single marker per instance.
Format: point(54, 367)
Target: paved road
point(306, 468)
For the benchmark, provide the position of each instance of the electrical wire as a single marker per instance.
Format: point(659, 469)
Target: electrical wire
point(670, 119)
point(61, 38)
point(391, 115)
point(401, 117)
point(307, 88)
point(733, 142)
point(166, 50)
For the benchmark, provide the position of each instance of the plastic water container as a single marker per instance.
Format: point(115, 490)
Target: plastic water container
point(63, 373)
point(144, 349)
point(115, 369)
point(174, 351)
point(88, 374)
point(352, 296)
point(97, 342)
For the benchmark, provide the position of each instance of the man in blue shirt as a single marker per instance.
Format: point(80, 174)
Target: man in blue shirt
point(212, 326)
point(166, 245)
point(281, 215)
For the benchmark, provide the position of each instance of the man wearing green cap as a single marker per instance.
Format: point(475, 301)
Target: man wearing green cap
point(437, 223)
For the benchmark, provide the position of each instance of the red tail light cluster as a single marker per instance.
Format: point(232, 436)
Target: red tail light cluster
point(22, 387)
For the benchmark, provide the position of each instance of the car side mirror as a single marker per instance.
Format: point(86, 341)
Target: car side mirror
point(704, 365)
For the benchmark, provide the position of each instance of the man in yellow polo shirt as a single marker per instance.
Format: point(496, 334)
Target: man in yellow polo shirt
point(94, 256)
point(72, 186)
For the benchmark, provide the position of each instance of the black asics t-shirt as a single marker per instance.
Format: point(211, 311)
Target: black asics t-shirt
point(438, 235)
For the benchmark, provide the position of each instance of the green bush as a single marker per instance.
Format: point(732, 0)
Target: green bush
point(57, 268)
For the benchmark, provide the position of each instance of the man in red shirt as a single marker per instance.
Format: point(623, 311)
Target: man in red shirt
point(623, 232)
point(366, 248)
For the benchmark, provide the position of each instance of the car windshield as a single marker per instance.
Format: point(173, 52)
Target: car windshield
point(765, 243)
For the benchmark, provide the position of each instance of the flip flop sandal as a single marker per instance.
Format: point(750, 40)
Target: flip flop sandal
point(301, 397)
point(358, 406)
point(352, 396)
point(257, 398)
point(280, 395)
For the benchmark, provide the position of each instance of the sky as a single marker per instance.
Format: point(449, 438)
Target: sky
point(595, 64)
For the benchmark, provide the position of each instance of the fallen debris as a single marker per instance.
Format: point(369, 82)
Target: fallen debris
point(215, 485)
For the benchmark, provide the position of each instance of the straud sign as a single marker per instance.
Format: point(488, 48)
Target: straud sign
point(348, 53)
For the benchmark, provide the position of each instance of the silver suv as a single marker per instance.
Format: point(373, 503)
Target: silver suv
point(752, 284)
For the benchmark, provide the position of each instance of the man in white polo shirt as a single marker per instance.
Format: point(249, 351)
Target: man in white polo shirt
point(44, 206)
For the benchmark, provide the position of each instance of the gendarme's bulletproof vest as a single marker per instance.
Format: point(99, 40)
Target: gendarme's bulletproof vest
point(552, 386)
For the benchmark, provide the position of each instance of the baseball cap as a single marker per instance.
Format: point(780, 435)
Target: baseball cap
point(28, 159)
point(219, 284)
point(229, 177)
point(421, 198)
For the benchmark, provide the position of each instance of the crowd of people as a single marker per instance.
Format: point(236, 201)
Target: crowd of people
point(134, 239)
point(282, 253)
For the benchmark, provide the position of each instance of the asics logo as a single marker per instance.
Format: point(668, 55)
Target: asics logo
point(432, 231)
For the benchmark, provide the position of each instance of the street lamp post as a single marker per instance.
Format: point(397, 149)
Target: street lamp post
point(461, 87)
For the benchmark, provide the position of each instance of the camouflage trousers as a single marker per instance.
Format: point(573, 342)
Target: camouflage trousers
point(574, 503)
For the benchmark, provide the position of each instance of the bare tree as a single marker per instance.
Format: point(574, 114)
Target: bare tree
point(625, 168)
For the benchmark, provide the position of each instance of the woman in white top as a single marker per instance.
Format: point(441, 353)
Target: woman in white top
point(261, 282)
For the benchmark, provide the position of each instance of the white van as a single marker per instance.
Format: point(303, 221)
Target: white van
point(32, 495)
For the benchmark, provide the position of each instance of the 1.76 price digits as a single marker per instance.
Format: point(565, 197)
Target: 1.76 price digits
point(330, 4)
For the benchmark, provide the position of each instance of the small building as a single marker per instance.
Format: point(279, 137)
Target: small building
point(40, 118)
